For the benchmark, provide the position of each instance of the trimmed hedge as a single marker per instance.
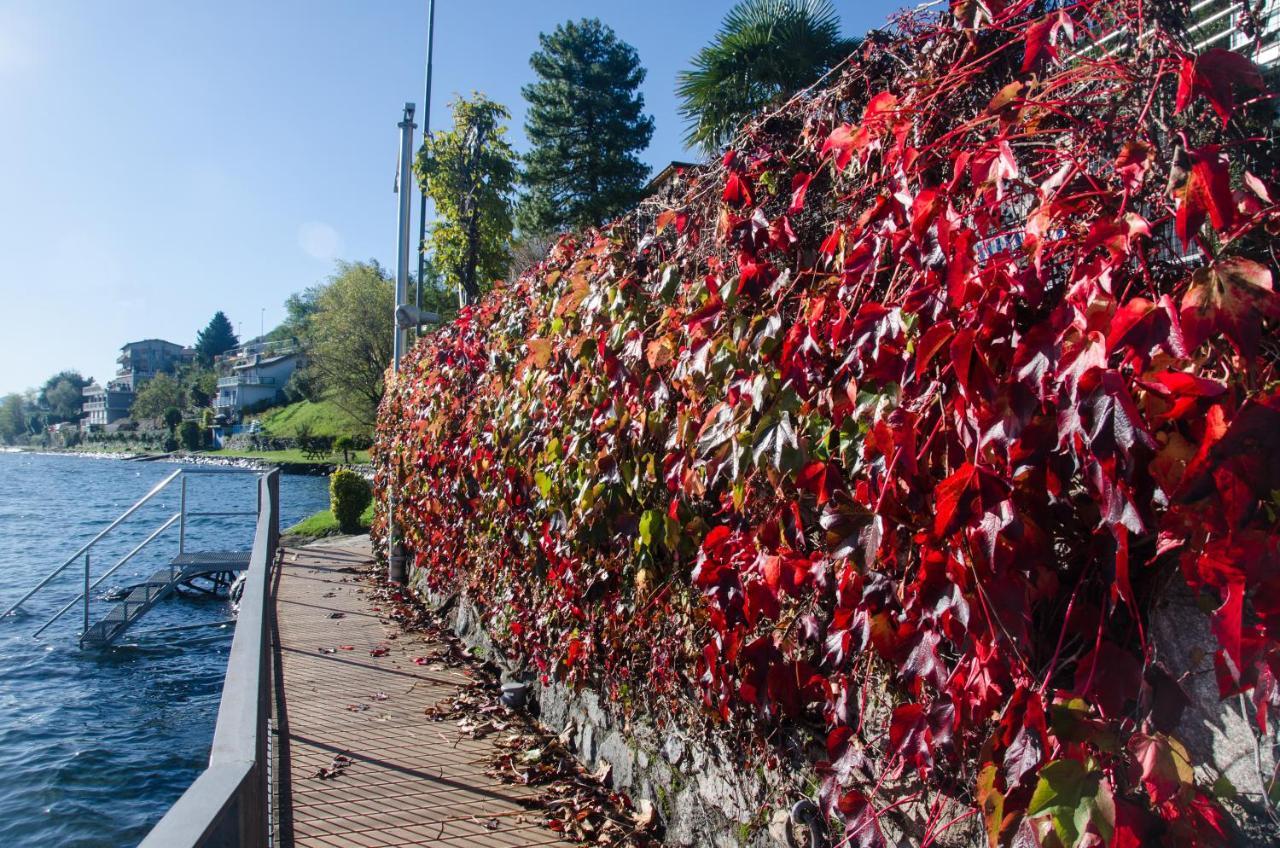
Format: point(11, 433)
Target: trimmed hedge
point(349, 496)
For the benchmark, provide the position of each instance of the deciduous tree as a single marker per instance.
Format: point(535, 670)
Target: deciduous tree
point(156, 395)
point(13, 418)
point(469, 172)
point(62, 396)
point(349, 337)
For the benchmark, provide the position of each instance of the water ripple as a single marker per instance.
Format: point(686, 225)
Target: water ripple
point(95, 746)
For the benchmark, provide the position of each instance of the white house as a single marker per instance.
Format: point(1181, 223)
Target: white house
point(254, 374)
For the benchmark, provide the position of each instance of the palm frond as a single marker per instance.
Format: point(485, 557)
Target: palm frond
point(765, 51)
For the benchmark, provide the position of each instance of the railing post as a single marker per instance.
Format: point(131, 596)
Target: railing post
point(182, 525)
point(86, 593)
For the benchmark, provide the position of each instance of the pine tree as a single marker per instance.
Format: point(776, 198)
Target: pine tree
point(215, 339)
point(586, 124)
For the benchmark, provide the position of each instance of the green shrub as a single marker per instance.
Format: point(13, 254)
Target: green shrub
point(189, 435)
point(172, 417)
point(349, 495)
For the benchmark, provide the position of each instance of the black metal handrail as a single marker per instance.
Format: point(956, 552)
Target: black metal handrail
point(229, 803)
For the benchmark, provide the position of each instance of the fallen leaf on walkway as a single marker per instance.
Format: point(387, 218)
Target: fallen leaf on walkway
point(336, 767)
point(573, 802)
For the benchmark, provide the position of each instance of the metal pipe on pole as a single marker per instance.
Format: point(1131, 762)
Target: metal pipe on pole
point(396, 571)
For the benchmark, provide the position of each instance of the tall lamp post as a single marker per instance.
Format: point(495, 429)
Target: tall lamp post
point(408, 315)
point(426, 132)
point(396, 571)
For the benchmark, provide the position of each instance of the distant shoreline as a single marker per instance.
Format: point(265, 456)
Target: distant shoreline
point(254, 463)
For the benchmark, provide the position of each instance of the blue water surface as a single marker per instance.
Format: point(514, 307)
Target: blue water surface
point(95, 745)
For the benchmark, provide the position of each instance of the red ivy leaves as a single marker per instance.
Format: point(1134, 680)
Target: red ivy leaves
point(934, 428)
point(1206, 193)
point(1231, 297)
point(1042, 37)
point(1214, 74)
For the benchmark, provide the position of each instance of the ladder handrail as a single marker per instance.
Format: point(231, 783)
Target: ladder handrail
point(84, 550)
point(89, 544)
point(110, 571)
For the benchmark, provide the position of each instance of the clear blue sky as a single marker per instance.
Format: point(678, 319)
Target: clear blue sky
point(163, 159)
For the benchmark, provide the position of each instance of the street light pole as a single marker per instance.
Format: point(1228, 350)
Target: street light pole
point(426, 132)
point(396, 571)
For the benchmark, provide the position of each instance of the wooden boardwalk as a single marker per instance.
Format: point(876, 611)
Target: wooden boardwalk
point(409, 781)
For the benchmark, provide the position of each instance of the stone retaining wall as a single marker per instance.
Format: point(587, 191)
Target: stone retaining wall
point(702, 797)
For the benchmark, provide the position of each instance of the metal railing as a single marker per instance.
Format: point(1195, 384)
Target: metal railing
point(85, 553)
point(245, 380)
point(229, 804)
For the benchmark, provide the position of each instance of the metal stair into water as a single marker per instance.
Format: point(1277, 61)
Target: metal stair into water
point(160, 585)
point(184, 568)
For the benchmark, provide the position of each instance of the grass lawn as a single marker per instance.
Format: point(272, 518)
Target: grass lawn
point(320, 419)
point(292, 455)
point(324, 524)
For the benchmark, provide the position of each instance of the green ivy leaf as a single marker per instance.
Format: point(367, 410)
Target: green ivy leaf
point(1060, 786)
point(649, 522)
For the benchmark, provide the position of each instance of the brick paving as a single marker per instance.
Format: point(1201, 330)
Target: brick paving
point(410, 781)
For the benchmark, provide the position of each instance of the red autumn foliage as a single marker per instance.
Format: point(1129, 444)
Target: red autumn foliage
point(935, 383)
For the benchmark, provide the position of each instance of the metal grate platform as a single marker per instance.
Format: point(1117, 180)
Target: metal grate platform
point(160, 585)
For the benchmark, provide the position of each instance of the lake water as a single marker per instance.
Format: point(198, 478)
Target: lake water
point(95, 745)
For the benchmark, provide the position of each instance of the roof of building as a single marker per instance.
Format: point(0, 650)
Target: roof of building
point(667, 174)
point(140, 342)
point(270, 360)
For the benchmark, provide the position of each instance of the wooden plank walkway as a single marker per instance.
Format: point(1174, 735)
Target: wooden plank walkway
point(409, 781)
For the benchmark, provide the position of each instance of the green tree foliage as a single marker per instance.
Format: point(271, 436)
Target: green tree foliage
point(200, 385)
point(172, 418)
point(215, 339)
point(189, 435)
point(766, 51)
point(62, 396)
point(587, 124)
point(470, 172)
point(156, 395)
point(13, 419)
point(435, 295)
point(299, 307)
point(349, 335)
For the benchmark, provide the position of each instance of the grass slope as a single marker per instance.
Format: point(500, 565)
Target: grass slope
point(322, 419)
point(324, 524)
